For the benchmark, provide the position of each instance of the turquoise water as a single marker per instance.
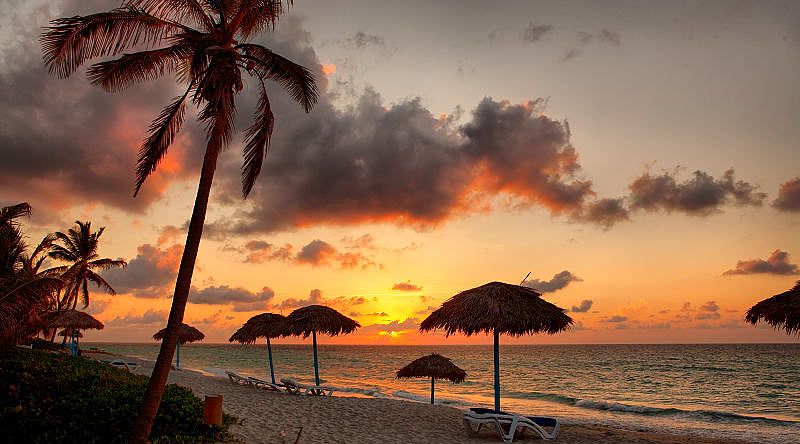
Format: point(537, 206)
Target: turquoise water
point(747, 391)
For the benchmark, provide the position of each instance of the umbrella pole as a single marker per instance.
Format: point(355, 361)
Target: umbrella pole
point(269, 353)
point(432, 385)
point(178, 355)
point(496, 371)
point(316, 366)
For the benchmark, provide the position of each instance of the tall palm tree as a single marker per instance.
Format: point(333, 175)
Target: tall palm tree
point(24, 291)
point(78, 247)
point(204, 43)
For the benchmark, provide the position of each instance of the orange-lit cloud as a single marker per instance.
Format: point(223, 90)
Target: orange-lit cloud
point(328, 69)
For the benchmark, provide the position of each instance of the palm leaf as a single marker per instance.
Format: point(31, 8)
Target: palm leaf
point(116, 75)
point(178, 11)
point(257, 142)
point(298, 80)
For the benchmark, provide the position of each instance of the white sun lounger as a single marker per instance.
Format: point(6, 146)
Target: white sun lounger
point(264, 385)
point(238, 379)
point(293, 386)
point(508, 424)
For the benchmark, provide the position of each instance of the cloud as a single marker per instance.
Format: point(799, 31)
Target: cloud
point(571, 54)
point(615, 319)
point(709, 310)
point(150, 274)
point(535, 32)
point(406, 286)
point(604, 213)
point(316, 253)
point(241, 299)
point(701, 195)
point(392, 329)
point(362, 39)
point(583, 307)
point(776, 263)
point(611, 37)
point(315, 298)
point(788, 196)
point(557, 282)
point(149, 317)
point(426, 311)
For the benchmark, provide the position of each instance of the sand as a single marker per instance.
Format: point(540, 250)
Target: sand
point(272, 417)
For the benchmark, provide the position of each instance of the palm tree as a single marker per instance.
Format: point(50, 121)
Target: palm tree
point(24, 291)
point(78, 247)
point(204, 43)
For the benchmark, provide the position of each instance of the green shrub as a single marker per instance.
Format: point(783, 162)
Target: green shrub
point(52, 398)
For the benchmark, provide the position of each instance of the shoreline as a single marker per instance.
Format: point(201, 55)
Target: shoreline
point(273, 417)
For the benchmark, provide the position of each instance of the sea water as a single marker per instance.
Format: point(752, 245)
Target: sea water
point(743, 391)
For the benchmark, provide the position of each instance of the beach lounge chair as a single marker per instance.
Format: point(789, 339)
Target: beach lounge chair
point(509, 424)
point(264, 385)
point(291, 386)
point(238, 379)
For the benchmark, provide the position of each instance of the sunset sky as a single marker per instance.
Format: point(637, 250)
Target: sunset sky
point(640, 159)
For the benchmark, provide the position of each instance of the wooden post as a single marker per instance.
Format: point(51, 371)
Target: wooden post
point(212, 410)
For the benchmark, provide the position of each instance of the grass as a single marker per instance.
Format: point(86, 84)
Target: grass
point(53, 398)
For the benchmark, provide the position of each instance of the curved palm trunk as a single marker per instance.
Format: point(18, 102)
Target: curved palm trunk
point(158, 379)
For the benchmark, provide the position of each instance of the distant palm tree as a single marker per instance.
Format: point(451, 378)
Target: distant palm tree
point(204, 43)
point(24, 291)
point(79, 249)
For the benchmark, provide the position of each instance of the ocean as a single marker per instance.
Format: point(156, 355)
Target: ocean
point(743, 391)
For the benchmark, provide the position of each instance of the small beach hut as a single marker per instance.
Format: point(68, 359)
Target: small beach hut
point(318, 318)
point(497, 308)
point(264, 325)
point(781, 311)
point(434, 366)
point(72, 321)
point(186, 334)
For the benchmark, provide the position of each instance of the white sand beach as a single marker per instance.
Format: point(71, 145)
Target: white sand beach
point(268, 417)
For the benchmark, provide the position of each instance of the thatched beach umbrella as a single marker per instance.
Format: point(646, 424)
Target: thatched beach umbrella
point(434, 366)
point(779, 311)
point(265, 325)
point(74, 321)
point(70, 332)
point(318, 318)
point(497, 308)
point(186, 334)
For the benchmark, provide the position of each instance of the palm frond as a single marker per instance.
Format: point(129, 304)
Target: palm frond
point(107, 264)
point(178, 11)
point(118, 74)
point(71, 41)
point(257, 142)
point(8, 214)
point(298, 80)
point(101, 283)
point(162, 133)
point(258, 15)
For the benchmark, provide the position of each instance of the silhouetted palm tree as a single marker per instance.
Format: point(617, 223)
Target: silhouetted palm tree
point(79, 249)
point(24, 291)
point(203, 42)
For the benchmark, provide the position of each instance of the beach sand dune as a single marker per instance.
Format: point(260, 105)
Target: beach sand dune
point(268, 416)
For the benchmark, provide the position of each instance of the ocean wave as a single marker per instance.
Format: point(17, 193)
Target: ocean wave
point(402, 394)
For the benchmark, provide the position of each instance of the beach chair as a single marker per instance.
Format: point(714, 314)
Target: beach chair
point(264, 385)
point(291, 386)
point(509, 424)
point(238, 379)
point(318, 390)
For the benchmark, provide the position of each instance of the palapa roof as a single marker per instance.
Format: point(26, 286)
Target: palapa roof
point(433, 366)
point(264, 325)
point(72, 319)
point(781, 311)
point(318, 318)
point(186, 333)
point(68, 332)
point(509, 309)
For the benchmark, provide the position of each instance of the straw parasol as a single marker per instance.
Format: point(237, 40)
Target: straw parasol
point(497, 308)
point(779, 311)
point(318, 318)
point(186, 334)
point(74, 321)
point(264, 325)
point(434, 366)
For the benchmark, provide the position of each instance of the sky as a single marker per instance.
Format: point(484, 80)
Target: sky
point(640, 160)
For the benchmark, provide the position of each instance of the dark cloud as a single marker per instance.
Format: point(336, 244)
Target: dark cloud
point(362, 39)
point(315, 253)
point(571, 54)
point(148, 275)
point(149, 317)
point(604, 213)
point(701, 195)
point(583, 307)
point(615, 319)
point(707, 311)
point(776, 263)
point(610, 37)
point(406, 286)
point(240, 298)
point(535, 31)
point(788, 196)
point(65, 142)
point(557, 282)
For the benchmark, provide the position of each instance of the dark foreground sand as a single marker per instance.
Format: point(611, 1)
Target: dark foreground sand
point(270, 416)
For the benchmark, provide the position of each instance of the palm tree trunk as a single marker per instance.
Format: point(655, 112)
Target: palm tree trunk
point(158, 379)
